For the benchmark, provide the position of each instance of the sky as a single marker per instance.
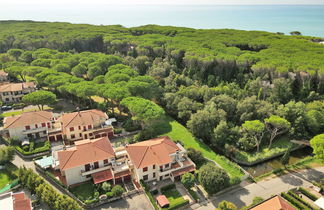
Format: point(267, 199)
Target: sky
point(153, 2)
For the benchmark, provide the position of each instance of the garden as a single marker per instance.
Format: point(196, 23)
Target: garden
point(175, 198)
point(8, 174)
point(90, 193)
point(33, 147)
point(301, 198)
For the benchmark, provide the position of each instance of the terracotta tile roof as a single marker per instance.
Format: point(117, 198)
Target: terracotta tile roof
point(102, 176)
point(27, 118)
point(86, 117)
point(85, 152)
point(151, 152)
point(121, 174)
point(162, 201)
point(20, 202)
point(16, 86)
point(3, 73)
point(183, 171)
point(274, 203)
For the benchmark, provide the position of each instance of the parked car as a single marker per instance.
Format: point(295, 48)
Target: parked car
point(5, 108)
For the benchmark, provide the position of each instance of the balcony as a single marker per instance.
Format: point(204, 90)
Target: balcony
point(93, 170)
point(34, 130)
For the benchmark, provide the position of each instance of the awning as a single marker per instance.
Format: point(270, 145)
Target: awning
point(102, 176)
point(162, 200)
point(320, 202)
point(183, 171)
point(121, 174)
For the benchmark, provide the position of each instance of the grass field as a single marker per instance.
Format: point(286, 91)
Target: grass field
point(174, 197)
point(176, 131)
point(84, 191)
point(8, 175)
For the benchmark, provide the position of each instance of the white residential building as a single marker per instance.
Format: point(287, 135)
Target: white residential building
point(13, 92)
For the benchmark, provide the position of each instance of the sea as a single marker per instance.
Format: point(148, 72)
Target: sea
point(308, 19)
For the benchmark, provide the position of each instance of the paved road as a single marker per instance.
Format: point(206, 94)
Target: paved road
point(244, 195)
point(136, 202)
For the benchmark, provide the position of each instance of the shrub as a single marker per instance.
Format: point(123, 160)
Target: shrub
point(193, 194)
point(294, 195)
point(25, 148)
point(226, 205)
point(213, 178)
point(31, 146)
point(106, 186)
point(188, 180)
point(167, 187)
point(293, 201)
point(146, 186)
point(154, 192)
point(109, 194)
point(118, 130)
point(308, 194)
point(196, 156)
point(129, 125)
point(117, 190)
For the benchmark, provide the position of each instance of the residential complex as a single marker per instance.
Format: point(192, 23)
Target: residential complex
point(88, 124)
point(96, 159)
point(70, 127)
point(15, 201)
point(28, 125)
point(159, 159)
point(13, 92)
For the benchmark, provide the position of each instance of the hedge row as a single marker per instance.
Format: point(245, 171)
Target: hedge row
point(308, 194)
point(167, 187)
point(32, 151)
point(293, 201)
point(193, 194)
point(294, 195)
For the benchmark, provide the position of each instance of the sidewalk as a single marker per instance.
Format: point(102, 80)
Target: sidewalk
point(242, 196)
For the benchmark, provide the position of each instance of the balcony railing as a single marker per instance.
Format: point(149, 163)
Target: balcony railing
point(34, 130)
point(94, 170)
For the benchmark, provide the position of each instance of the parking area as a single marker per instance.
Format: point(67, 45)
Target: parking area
point(134, 202)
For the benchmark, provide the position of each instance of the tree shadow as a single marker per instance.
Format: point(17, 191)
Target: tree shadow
point(233, 196)
point(310, 175)
point(291, 179)
point(118, 204)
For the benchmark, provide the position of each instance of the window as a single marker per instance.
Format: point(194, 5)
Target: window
point(27, 127)
point(89, 126)
point(153, 166)
point(79, 127)
point(36, 126)
point(154, 175)
point(43, 124)
point(80, 134)
point(72, 129)
point(105, 161)
point(166, 175)
point(96, 165)
point(167, 165)
point(44, 132)
point(72, 136)
point(161, 168)
point(84, 128)
point(49, 125)
point(87, 167)
point(145, 169)
point(88, 176)
point(90, 134)
point(145, 177)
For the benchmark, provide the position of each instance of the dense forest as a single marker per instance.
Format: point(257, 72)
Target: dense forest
point(235, 90)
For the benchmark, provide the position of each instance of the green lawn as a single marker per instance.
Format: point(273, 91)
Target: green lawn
point(8, 175)
point(174, 197)
point(278, 146)
point(176, 131)
point(84, 191)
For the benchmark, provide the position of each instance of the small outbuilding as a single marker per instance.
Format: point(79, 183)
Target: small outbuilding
point(162, 201)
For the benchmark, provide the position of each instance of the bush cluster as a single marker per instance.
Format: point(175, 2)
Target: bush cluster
point(30, 150)
point(294, 195)
point(308, 194)
point(293, 201)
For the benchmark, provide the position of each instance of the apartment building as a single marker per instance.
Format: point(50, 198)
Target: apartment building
point(91, 159)
point(13, 92)
point(159, 159)
point(87, 124)
point(28, 125)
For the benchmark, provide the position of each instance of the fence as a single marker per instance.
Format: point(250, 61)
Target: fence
point(8, 187)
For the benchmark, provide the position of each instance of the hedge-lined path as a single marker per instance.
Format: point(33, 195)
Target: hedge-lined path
point(242, 196)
